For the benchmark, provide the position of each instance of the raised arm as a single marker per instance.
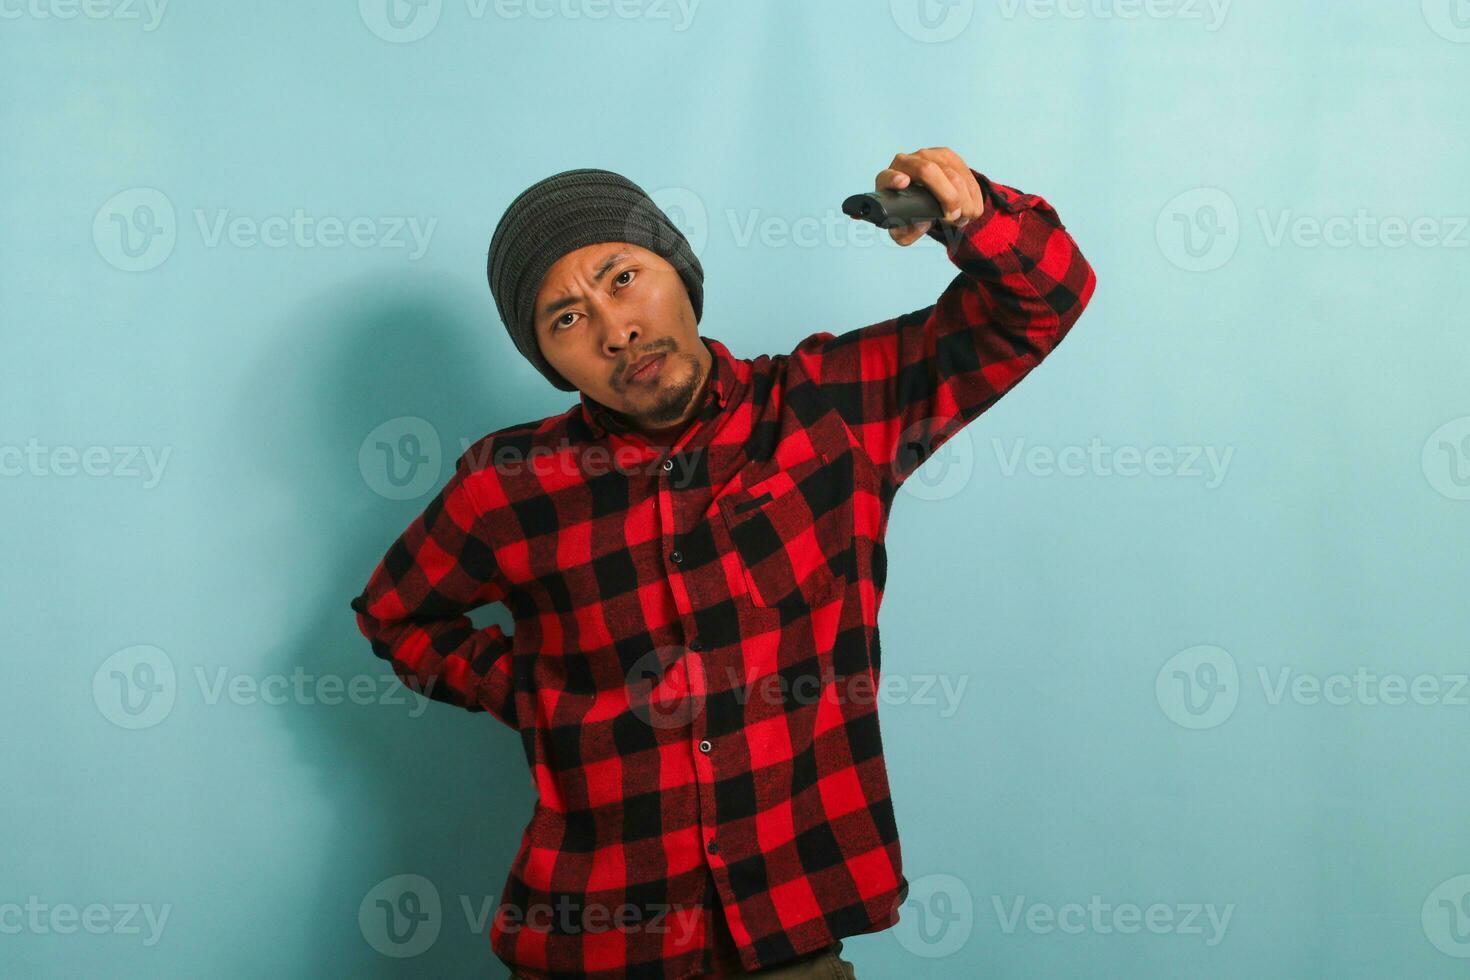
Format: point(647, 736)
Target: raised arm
point(906, 385)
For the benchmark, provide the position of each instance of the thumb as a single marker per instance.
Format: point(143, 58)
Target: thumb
point(908, 234)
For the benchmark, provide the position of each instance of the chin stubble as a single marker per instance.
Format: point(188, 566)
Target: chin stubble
point(673, 401)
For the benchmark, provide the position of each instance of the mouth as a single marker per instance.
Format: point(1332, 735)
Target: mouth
point(645, 368)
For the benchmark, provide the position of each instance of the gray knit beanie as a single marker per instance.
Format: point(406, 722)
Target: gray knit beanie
point(560, 214)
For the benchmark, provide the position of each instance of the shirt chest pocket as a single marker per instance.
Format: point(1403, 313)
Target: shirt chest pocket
point(791, 526)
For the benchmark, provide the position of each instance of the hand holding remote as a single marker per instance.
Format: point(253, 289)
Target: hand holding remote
point(908, 189)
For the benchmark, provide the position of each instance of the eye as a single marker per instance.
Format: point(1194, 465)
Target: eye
point(560, 321)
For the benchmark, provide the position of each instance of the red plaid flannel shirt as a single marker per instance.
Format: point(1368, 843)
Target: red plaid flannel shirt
point(695, 660)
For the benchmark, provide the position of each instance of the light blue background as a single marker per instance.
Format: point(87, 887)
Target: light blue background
point(1072, 606)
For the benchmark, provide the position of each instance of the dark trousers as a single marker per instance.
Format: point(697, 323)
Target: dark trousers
point(827, 965)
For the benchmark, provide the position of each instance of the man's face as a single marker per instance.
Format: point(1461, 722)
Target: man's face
point(601, 309)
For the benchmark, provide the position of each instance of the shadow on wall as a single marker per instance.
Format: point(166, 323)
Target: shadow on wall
point(414, 787)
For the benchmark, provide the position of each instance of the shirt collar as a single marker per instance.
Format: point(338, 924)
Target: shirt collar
point(601, 420)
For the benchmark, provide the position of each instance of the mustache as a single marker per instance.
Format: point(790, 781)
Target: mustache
point(661, 348)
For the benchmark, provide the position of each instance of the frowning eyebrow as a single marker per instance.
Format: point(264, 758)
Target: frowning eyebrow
point(602, 270)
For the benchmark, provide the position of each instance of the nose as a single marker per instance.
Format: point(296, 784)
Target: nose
point(619, 335)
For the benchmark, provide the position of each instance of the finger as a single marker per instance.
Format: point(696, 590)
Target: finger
point(957, 212)
point(970, 190)
point(962, 177)
point(956, 163)
point(896, 179)
point(977, 196)
point(920, 168)
point(937, 176)
point(890, 177)
point(937, 180)
point(937, 151)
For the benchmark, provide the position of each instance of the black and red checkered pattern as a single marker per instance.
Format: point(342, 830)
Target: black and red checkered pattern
point(695, 659)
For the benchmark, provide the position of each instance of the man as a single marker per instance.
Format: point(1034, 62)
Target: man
point(693, 556)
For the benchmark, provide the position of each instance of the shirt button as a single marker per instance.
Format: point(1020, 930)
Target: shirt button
point(668, 464)
point(714, 847)
point(676, 556)
point(704, 745)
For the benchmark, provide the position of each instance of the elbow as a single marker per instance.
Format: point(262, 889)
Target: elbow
point(1072, 293)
